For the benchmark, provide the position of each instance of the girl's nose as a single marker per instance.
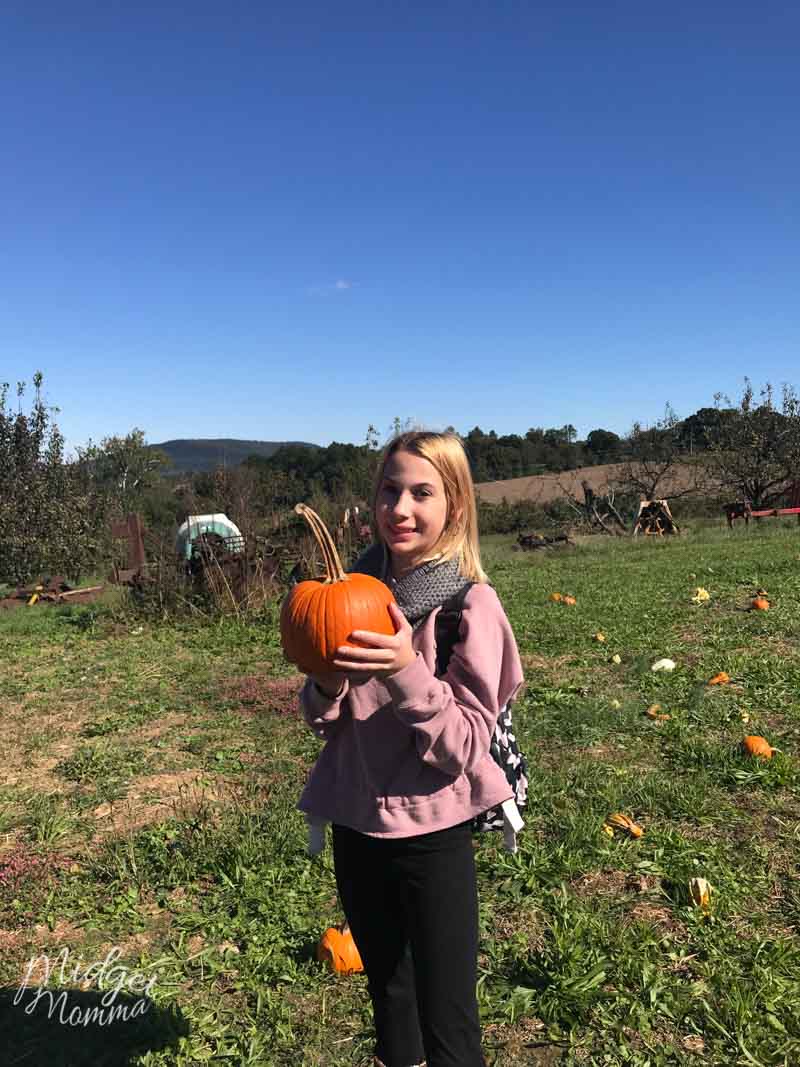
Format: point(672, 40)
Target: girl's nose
point(401, 504)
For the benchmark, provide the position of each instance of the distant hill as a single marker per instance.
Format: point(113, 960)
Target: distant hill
point(204, 454)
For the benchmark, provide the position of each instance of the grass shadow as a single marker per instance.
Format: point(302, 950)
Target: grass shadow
point(67, 1027)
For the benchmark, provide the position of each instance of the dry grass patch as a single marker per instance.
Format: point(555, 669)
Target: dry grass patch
point(693, 1044)
point(600, 883)
point(528, 924)
point(524, 1043)
point(547, 663)
point(624, 885)
point(613, 882)
point(660, 917)
point(556, 756)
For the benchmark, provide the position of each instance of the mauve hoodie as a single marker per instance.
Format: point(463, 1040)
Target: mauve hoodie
point(409, 754)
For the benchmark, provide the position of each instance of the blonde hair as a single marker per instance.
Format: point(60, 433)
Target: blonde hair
point(445, 452)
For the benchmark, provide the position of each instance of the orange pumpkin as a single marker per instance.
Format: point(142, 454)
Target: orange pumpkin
point(555, 597)
point(719, 679)
point(654, 712)
point(570, 600)
point(758, 747)
point(760, 603)
point(319, 616)
point(338, 949)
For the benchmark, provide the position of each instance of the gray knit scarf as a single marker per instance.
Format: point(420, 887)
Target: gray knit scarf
point(419, 591)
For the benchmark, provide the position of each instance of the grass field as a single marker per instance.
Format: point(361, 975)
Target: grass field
point(149, 781)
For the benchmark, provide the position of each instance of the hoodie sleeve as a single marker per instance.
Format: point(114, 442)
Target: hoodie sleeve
point(453, 717)
point(321, 712)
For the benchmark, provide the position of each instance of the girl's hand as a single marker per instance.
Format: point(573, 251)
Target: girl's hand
point(384, 656)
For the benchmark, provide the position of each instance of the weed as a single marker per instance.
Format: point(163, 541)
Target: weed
point(47, 820)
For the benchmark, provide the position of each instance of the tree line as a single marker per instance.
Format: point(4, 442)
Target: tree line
point(56, 512)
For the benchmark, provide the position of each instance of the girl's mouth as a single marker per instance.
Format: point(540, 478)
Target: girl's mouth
point(400, 535)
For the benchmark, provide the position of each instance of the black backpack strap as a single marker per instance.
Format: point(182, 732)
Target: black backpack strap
point(372, 561)
point(446, 627)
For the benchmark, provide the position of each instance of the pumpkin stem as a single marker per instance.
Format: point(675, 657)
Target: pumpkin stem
point(333, 564)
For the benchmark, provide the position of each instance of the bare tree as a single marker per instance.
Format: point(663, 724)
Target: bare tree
point(594, 510)
point(656, 465)
point(754, 449)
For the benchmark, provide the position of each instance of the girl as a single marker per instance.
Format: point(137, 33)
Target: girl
point(406, 765)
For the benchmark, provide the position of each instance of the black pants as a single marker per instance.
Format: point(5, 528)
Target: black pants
point(412, 905)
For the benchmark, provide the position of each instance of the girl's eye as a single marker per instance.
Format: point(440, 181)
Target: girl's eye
point(419, 492)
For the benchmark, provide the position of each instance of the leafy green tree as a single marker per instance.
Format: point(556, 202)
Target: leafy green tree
point(698, 430)
point(603, 445)
point(48, 522)
point(123, 470)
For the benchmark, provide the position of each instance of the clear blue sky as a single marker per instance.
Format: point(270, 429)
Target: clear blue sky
point(275, 220)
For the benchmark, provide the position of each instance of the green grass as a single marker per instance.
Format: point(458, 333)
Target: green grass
point(148, 802)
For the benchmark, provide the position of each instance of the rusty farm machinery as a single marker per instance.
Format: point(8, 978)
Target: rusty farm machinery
point(208, 558)
point(743, 509)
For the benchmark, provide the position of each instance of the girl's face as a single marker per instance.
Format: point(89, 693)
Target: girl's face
point(411, 509)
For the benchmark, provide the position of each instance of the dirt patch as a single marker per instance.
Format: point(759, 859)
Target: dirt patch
point(177, 794)
point(63, 933)
point(12, 940)
point(38, 775)
point(77, 597)
point(20, 766)
point(154, 730)
point(259, 694)
point(771, 721)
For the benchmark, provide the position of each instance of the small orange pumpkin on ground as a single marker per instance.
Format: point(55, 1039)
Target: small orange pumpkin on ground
point(570, 600)
point(759, 603)
point(319, 616)
point(338, 949)
point(719, 679)
point(757, 746)
point(654, 712)
point(555, 597)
